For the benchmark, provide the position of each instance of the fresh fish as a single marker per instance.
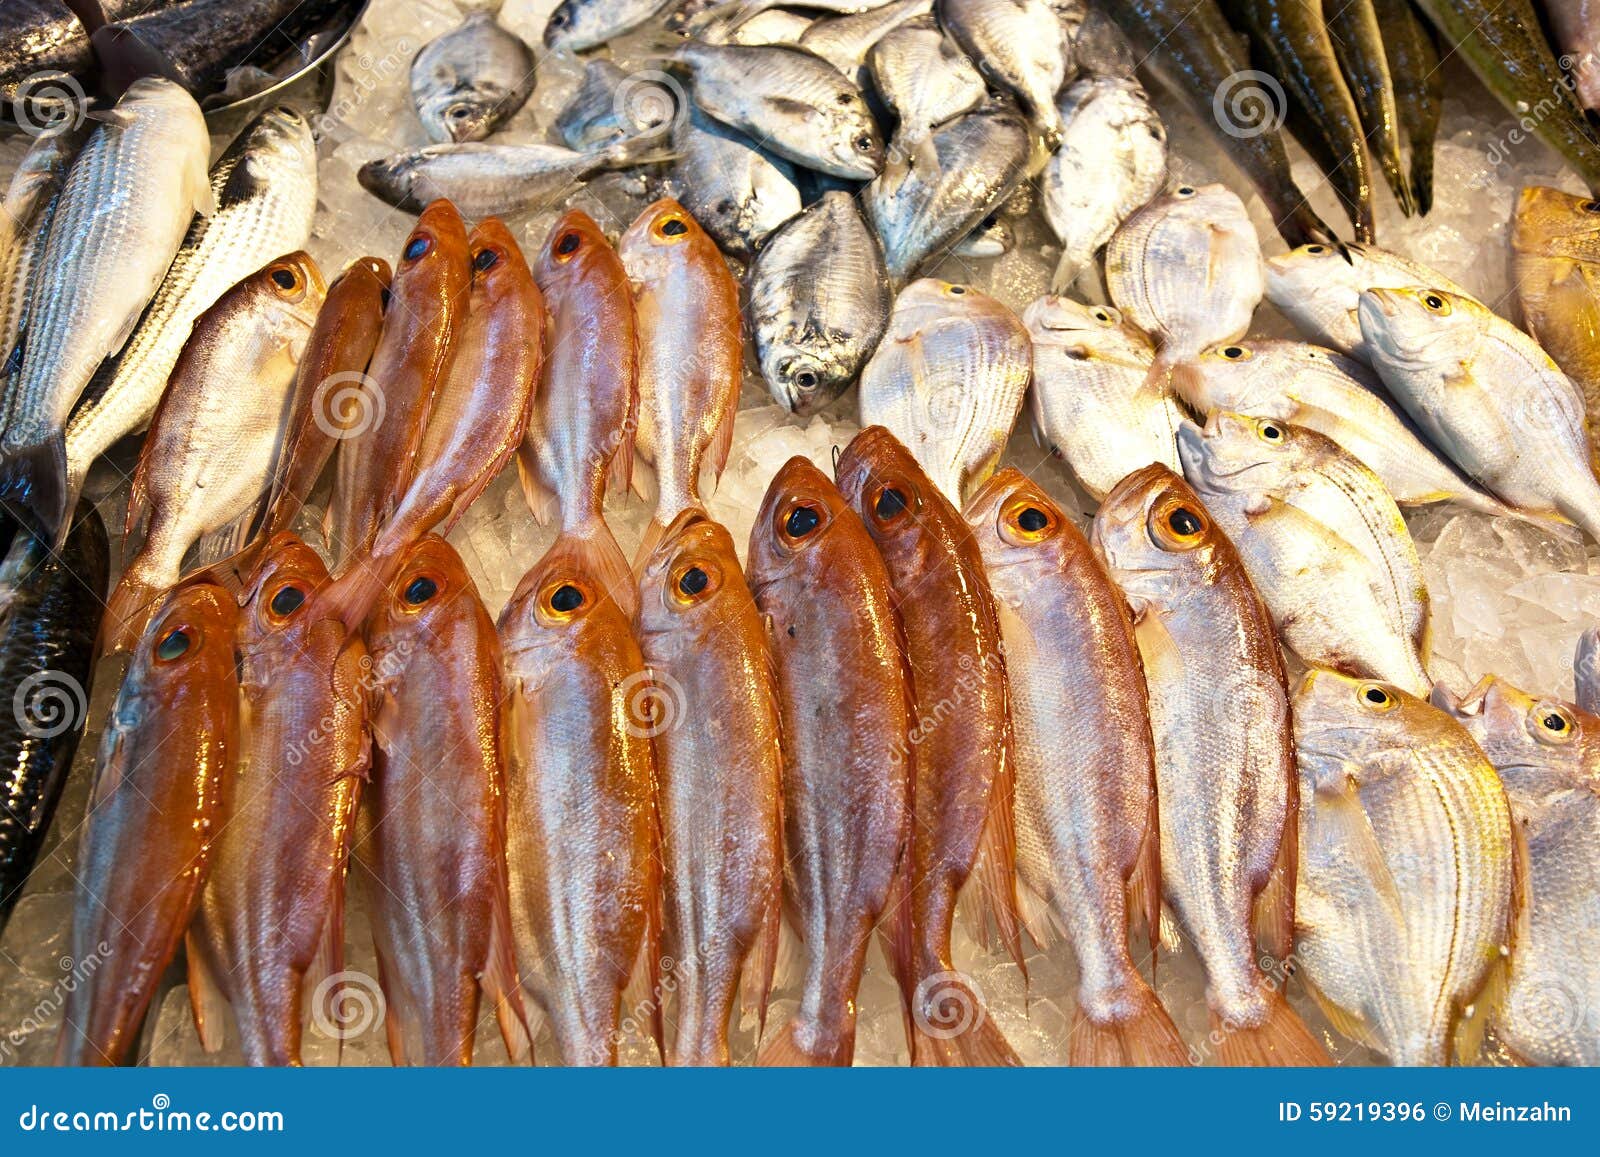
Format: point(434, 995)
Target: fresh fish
point(118, 222)
point(925, 81)
point(265, 190)
point(1338, 397)
point(818, 302)
point(741, 12)
point(51, 615)
point(1291, 38)
point(24, 227)
point(486, 179)
point(1092, 395)
point(1357, 38)
point(212, 448)
point(719, 780)
point(993, 238)
point(471, 80)
point(1487, 395)
point(424, 317)
point(1504, 43)
point(1186, 269)
point(1087, 841)
point(161, 794)
point(737, 192)
point(1321, 540)
point(919, 216)
point(274, 898)
point(1020, 46)
point(1225, 768)
point(430, 835)
point(792, 101)
point(1418, 88)
point(579, 25)
point(1546, 753)
point(1112, 161)
point(610, 104)
point(1099, 48)
point(1318, 289)
point(691, 355)
point(960, 751)
point(948, 381)
point(582, 843)
point(1575, 29)
point(771, 26)
point(824, 592)
point(585, 413)
point(1189, 44)
point(1406, 897)
point(1555, 258)
point(845, 41)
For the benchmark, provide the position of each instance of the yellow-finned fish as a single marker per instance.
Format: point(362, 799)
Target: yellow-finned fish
point(1555, 264)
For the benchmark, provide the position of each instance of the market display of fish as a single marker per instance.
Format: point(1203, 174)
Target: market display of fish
point(962, 767)
point(948, 380)
point(1406, 901)
point(119, 220)
point(1087, 840)
point(1545, 752)
point(824, 591)
point(738, 193)
point(1225, 763)
point(470, 81)
point(1020, 46)
point(50, 607)
point(925, 81)
point(272, 910)
point(1322, 541)
point(818, 301)
point(1555, 260)
point(1414, 71)
point(1092, 396)
point(160, 798)
point(265, 190)
point(719, 777)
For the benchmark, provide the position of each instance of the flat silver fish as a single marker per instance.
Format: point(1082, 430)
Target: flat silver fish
point(471, 80)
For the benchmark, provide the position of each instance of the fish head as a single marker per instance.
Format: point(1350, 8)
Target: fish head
point(1155, 537)
point(1342, 723)
point(575, 243)
point(397, 179)
point(559, 609)
point(1416, 327)
point(927, 300)
point(280, 595)
point(1224, 376)
point(281, 137)
point(1525, 732)
point(188, 642)
point(1308, 271)
point(576, 25)
point(289, 291)
point(798, 513)
point(438, 235)
point(1019, 525)
point(664, 236)
point(1552, 223)
point(428, 585)
point(855, 145)
point(498, 267)
point(365, 274)
point(689, 577)
point(883, 482)
point(803, 377)
point(1234, 453)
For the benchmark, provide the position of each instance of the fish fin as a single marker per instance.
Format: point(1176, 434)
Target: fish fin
point(925, 156)
point(399, 1018)
point(127, 612)
point(977, 1041)
point(1068, 267)
point(720, 447)
point(358, 585)
point(594, 551)
point(1144, 885)
point(33, 487)
point(1039, 919)
point(206, 1001)
point(897, 939)
point(620, 475)
point(762, 962)
point(1346, 827)
point(1346, 1023)
point(643, 482)
point(1491, 997)
point(784, 1051)
point(1144, 1038)
point(997, 864)
point(643, 990)
point(1168, 933)
point(1282, 1040)
point(1586, 670)
point(655, 530)
point(540, 498)
point(499, 980)
point(1274, 904)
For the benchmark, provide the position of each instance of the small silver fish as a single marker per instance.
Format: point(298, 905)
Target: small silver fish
point(925, 80)
point(606, 108)
point(1021, 46)
point(470, 81)
point(579, 25)
point(844, 41)
point(736, 191)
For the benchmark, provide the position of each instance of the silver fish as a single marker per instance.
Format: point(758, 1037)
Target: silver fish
point(1092, 395)
point(920, 215)
point(993, 238)
point(794, 102)
point(735, 190)
point(925, 80)
point(948, 380)
point(579, 25)
point(844, 41)
point(774, 26)
point(470, 81)
point(1112, 161)
point(1321, 539)
point(120, 219)
point(818, 301)
point(265, 188)
point(24, 225)
point(611, 104)
point(1019, 45)
point(1335, 395)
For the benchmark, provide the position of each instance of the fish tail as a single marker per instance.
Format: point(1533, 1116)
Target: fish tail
point(34, 487)
point(785, 1050)
point(925, 156)
point(952, 1028)
point(653, 534)
point(356, 589)
point(1145, 1038)
point(128, 610)
point(1281, 1040)
point(1066, 274)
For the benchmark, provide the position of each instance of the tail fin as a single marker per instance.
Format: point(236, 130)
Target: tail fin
point(653, 534)
point(1282, 1040)
point(357, 587)
point(784, 1051)
point(598, 555)
point(128, 611)
point(951, 1026)
point(33, 485)
point(1145, 1038)
point(1066, 274)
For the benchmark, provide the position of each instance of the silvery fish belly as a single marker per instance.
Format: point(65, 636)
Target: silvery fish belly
point(1112, 161)
point(1093, 397)
point(24, 227)
point(1489, 397)
point(1318, 289)
point(470, 81)
point(948, 381)
point(1323, 543)
point(265, 188)
point(925, 80)
point(844, 41)
point(818, 301)
point(733, 189)
point(1186, 269)
point(1335, 395)
point(1405, 901)
point(1020, 46)
point(1548, 755)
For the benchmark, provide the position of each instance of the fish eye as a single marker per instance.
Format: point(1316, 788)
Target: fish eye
point(695, 581)
point(420, 590)
point(890, 504)
point(1024, 522)
point(1316, 250)
point(1184, 190)
point(955, 290)
point(1270, 432)
point(287, 600)
point(175, 644)
point(566, 598)
point(485, 259)
point(802, 520)
point(1590, 206)
point(1436, 304)
point(1102, 316)
point(560, 17)
point(1233, 353)
point(1375, 698)
point(670, 227)
point(864, 143)
point(807, 380)
point(285, 278)
point(1176, 525)
point(459, 111)
point(1033, 519)
point(1554, 724)
point(567, 244)
point(417, 246)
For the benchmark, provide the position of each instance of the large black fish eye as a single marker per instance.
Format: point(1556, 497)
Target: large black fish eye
point(1554, 722)
point(568, 244)
point(806, 379)
point(1316, 248)
point(890, 503)
point(420, 590)
point(1184, 522)
point(694, 581)
point(485, 259)
point(1232, 352)
point(417, 246)
point(1590, 206)
point(1377, 696)
point(174, 645)
point(1032, 519)
point(287, 601)
point(566, 599)
point(864, 143)
point(674, 227)
point(802, 521)
point(284, 278)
